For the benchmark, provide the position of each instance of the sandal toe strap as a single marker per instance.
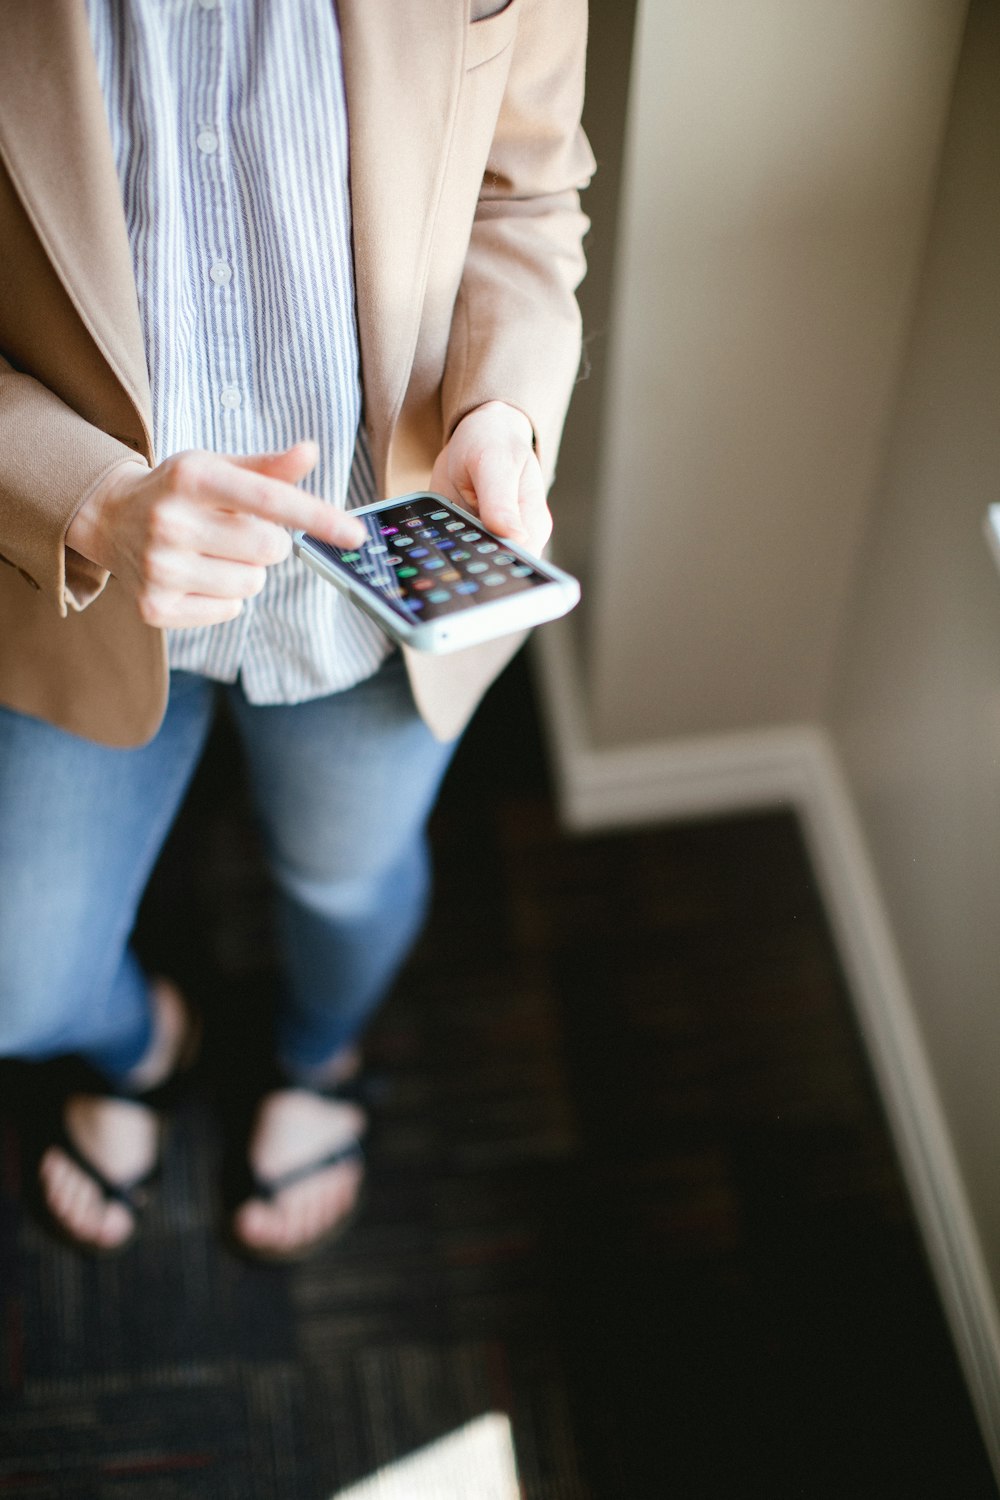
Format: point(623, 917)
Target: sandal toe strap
point(133, 1195)
point(269, 1188)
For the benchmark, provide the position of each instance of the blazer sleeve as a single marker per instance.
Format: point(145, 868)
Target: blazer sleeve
point(51, 459)
point(516, 328)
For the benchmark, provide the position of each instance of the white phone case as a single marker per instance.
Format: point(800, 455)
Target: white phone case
point(477, 619)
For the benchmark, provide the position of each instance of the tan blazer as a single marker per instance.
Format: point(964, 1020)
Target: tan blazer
point(466, 160)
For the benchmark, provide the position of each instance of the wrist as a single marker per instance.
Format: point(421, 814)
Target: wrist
point(516, 421)
point(87, 533)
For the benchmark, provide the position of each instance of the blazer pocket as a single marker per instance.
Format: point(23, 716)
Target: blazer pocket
point(491, 36)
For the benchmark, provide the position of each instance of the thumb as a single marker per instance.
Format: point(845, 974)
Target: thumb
point(496, 477)
point(290, 464)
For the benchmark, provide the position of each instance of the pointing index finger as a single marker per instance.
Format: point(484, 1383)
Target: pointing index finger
point(235, 488)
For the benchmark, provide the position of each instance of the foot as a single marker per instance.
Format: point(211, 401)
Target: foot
point(120, 1136)
point(295, 1127)
point(122, 1139)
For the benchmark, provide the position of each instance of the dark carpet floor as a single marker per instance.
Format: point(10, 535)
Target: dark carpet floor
point(631, 1186)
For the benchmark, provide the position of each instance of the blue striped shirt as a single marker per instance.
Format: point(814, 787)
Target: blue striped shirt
point(229, 130)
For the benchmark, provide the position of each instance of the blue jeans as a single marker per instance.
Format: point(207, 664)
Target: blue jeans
point(342, 786)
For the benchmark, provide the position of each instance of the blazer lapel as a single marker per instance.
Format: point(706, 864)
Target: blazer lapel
point(55, 144)
point(403, 62)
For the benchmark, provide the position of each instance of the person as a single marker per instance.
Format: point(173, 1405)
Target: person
point(259, 263)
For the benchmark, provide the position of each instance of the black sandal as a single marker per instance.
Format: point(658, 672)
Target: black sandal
point(362, 1090)
point(73, 1077)
point(134, 1194)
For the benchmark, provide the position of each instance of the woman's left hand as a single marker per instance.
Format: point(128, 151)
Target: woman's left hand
point(489, 466)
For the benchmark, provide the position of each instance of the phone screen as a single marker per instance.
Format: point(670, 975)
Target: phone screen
point(425, 561)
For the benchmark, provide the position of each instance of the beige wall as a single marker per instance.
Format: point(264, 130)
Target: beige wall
point(916, 712)
point(779, 166)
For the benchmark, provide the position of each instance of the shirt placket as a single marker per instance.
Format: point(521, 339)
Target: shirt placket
point(228, 413)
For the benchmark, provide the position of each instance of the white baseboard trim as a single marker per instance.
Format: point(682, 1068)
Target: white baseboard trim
point(689, 778)
point(882, 1001)
point(797, 767)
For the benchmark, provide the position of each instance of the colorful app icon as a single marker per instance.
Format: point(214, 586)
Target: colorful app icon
point(433, 562)
point(419, 552)
point(376, 549)
point(439, 515)
point(414, 521)
point(468, 587)
point(477, 567)
point(470, 536)
point(452, 525)
point(414, 603)
point(492, 579)
point(403, 541)
point(450, 575)
point(388, 530)
point(349, 557)
point(502, 558)
point(445, 544)
point(439, 596)
point(424, 583)
point(487, 547)
point(394, 560)
point(407, 573)
point(460, 554)
point(520, 570)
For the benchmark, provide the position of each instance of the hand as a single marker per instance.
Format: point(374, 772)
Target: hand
point(193, 538)
point(489, 467)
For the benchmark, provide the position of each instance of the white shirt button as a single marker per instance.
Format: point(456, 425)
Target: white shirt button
point(208, 141)
point(221, 273)
point(231, 398)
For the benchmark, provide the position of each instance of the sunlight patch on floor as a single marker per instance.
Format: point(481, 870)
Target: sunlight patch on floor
point(476, 1460)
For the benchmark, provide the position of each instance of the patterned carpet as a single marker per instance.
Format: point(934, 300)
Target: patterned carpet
point(630, 1189)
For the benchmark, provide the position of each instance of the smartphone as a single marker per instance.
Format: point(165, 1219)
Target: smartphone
point(434, 578)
